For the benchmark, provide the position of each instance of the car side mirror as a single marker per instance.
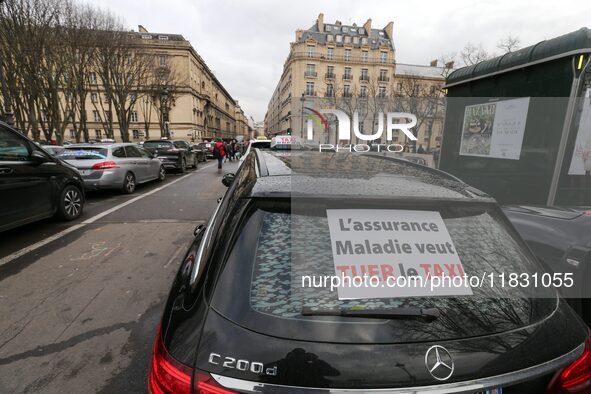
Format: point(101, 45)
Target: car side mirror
point(39, 157)
point(228, 179)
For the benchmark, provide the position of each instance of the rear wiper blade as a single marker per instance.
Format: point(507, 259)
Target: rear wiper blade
point(426, 314)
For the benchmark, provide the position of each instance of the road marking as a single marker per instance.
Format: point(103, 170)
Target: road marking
point(30, 248)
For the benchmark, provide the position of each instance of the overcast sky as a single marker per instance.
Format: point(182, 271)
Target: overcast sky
point(246, 42)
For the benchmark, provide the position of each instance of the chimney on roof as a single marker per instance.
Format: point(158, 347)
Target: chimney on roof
point(449, 65)
point(142, 29)
point(299, 33)
point(320, 22)
point(433, 63)
point(389, 29)
point(367, 26)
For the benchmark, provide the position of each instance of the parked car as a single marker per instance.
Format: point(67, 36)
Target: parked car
point(239, 320)
point(201, 152)
point(561, 239)
point(53, 150)
point(208, 146)
point(176, 155)
point(114, 166)
point(34, 185)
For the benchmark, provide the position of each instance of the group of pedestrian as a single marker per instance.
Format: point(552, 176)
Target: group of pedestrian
point(227, 150)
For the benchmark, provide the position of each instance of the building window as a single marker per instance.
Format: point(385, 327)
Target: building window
point(363, 40)
point(329, 71)
point(356, 40)
point(432, 89)
point(364, 74)
point(146, 36)
point(383, 76)
point(399, 86)
point(72, 134)
point(382, 92)
point(96, 115)
point(330, 53)
point(135, 134)
point(348, 76)
point(106, 98)
point(310, 89)
point(364, 56)
point(311, 50)
point(327, 28)
point(133, 116)
point(162, 60)
point(163, 38)
point(93, 97)
point(363, 91)
point(98, 134)
point(310, 70)
point(330, 38)
point(347, 91)
point(92, 77)
point(329, 90)
point(347, 39)
point(347, 54)
point(339, 38)
point(361, 30)
point(383, 57)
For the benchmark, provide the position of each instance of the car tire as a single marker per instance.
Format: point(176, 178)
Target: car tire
point(161, 174)
point(71, 203)
point(129, 183)
point(183, 168)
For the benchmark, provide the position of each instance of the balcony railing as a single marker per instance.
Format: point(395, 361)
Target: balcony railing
point(312, 74)
point(310, 93)
point(347, 77)
point(329, 94)
point(364, 77)
point(329, 76)
point(383, 78)
point(348, 58)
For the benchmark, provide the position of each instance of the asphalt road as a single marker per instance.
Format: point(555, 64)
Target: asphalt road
point(79, 313)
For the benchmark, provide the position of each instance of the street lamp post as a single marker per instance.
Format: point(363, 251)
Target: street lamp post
point(164, 113)
point(303, 100)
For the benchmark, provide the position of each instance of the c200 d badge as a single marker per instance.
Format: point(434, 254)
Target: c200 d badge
point(241, 365)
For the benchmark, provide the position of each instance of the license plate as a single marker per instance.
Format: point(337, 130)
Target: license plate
point(498, 390)
point(85, 172)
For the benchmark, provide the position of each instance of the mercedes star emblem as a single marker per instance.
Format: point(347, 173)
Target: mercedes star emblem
point(439, 362)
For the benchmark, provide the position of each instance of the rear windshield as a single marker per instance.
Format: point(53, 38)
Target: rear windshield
point(276, 248)
point(83, 153)
point(157, 144)
point(262, 145)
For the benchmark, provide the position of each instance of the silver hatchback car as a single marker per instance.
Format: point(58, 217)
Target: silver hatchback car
point(113, 166)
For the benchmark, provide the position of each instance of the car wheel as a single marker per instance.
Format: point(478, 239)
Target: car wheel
point(129, 183)
point(70, 204)
point(183, 168)
point(161, 174)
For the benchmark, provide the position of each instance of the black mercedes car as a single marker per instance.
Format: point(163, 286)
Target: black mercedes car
point(240, 319)
point(176, 155)
point(33, 184)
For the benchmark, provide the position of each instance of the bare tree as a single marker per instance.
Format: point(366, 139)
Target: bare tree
point(509, 44)
point(472, 54)
point(163, 89)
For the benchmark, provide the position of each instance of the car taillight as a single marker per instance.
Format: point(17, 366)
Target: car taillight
point(167, 376)
point(575, 378)
point(207, 385)
point(105, 165)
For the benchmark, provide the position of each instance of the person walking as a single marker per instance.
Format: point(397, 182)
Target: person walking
point(219, 152)
point(228, 150)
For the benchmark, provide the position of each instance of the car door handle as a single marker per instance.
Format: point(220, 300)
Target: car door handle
point(6, 171)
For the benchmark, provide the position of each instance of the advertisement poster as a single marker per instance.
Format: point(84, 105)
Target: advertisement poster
point(494, 129)
point(393, 243)
point(581, 159)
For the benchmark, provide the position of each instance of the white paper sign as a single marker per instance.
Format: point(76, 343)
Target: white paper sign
point(389, 244)
point(580, 163)
point(494, 129)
